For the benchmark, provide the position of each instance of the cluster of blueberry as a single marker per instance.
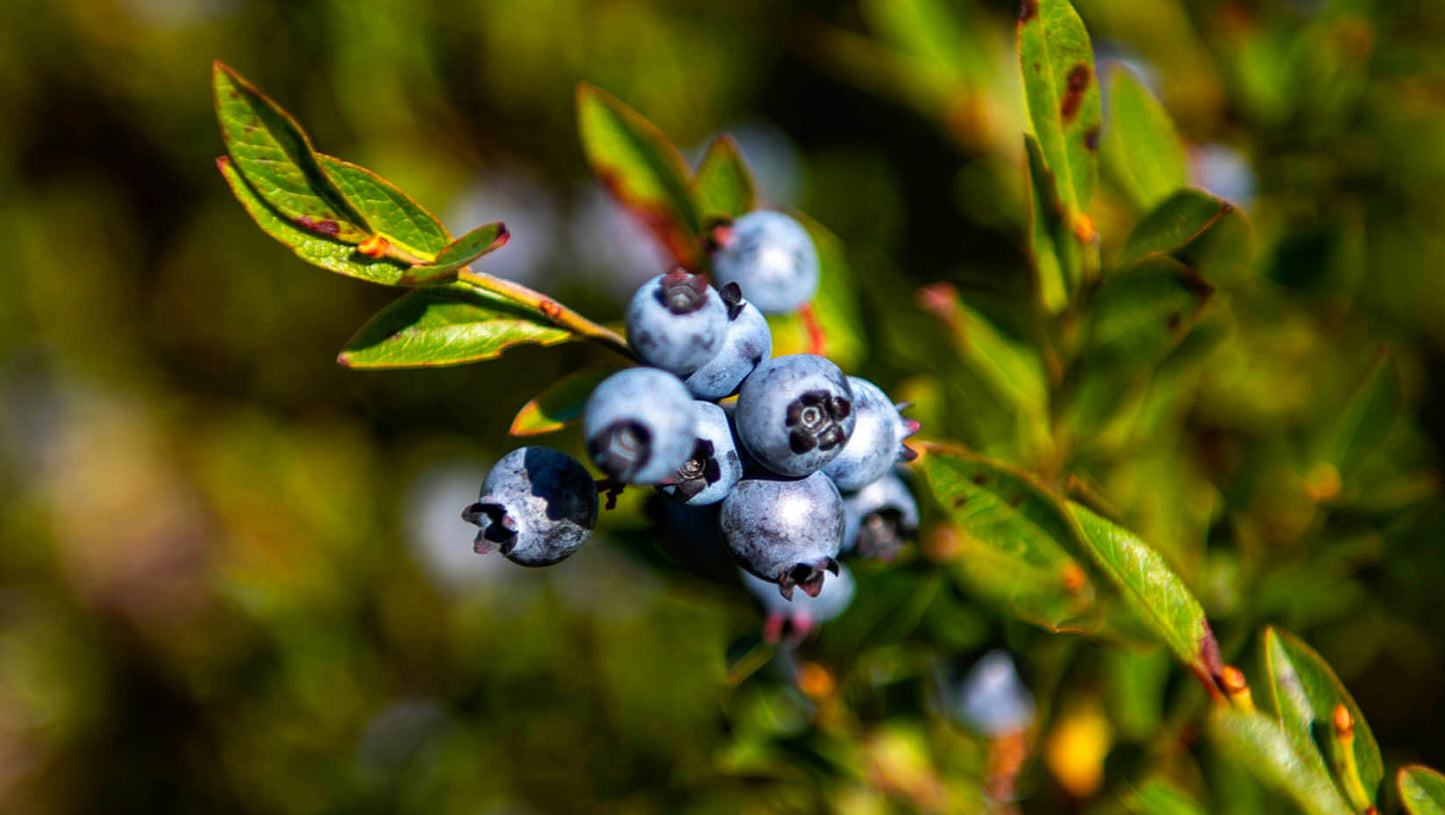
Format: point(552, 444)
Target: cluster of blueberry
point(796, 471)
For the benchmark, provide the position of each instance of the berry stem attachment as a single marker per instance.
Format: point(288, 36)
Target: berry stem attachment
point(554, 311)
point(1346, 768)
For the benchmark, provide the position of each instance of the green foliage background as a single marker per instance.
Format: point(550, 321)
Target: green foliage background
point(220, 585)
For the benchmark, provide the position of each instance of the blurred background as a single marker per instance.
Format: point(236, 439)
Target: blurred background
point(232, 573)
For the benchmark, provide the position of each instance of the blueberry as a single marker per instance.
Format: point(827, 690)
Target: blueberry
point(786, 531)
point(676, 322)
point(992, 699)
point(537, 506)
point(709, 475)
point(640, 425)
point(802, 614)
point(772, 257)
point(746, 342)
point(879, 518)
point(795, 413)
point(877, 440)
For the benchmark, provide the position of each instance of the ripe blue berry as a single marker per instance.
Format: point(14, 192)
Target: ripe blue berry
point(877, 440)
point(795, 413)
point(676, 322)
point(640, 425)
point(800, 616)
point(772, 257)
point(709, 475)
point(746, 342)
point(786, 531)
point(537, 506)
point(879, 518)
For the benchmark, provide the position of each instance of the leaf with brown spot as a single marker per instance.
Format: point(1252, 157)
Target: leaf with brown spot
point(1057, 61)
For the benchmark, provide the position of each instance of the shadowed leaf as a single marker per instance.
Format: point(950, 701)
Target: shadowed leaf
point(1140, 314)
point(1422, 790)
point(1142, 151)
point(642, 169)
point(1063, 96)
point(446, 325)
point(1057, 256)
point(1260, 745)
point(389, 211)
point(1367, 419)
point(1203, 231)
point(560, 404)
point(723, 186)
point(271, 151)
point(476, 243)
point(332, 255)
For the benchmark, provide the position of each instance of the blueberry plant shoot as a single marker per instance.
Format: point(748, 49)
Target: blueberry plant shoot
point(861, 488)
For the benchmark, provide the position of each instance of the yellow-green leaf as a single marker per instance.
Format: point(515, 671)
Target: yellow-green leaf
point(1422, 790)
point(560, 404)
point(390, 212)
point(483, 240)
point(723, 186)
point(1142, 151)
point(1259, 744)
point(1058, 257)
point(1201, 230)
point(1063, 96)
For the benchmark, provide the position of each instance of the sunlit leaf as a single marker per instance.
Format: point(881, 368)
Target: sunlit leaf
point(332, 255)
point(1260, 744)
point(1422, 790)
point(1150, 589)
point(389, 211)
point(271, 151)
point(446, 325)
point(483, 240)
point(559, 404)
point(1201, 230)
point(835, 313)
point(1063, 96)
point(1142, 151)
point(1158, 795)
point(1305, 692)
point(1057, 256)
point(723, 186)
point(642, 169)
point(1007, 536)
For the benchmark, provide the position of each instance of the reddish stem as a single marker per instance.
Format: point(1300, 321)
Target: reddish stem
point(817, 338)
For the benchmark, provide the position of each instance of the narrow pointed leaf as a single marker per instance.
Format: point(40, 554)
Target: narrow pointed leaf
point(723, 186)
point(332, 255)
point(274, 155)
point(1260, 745)
point(1203, 231)
point(560, 404)
point(480, 241)
point(1422, 790)
point(1008, 536)
point(1058, 258)
point(1142, 151)
point(1140, 315)
point(390, 212)
point(642, 169)
point(446, 325)
point(835, 308)
point(1151, 590)
point(1062, 94)
point(1367, 419)
point(1305, 692)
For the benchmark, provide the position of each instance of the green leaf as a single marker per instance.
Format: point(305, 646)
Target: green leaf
point(1008, 537)
point(332, 255)
point(1158, 795)
point(1201, 230)
point(835, 308)
point(389, 211)
point(1151, 590)
point(723, 186)
point(446, 325)
point(642, 169)
point(1142, 151)
point(1367, 419)
point(1057, 256)
point(274, 155)
point(1063, 96)
point(1305, 692)
point(480, 241)
point(1422, 790)
point(1260, 745)
point(560, 404)
point(1140, 315)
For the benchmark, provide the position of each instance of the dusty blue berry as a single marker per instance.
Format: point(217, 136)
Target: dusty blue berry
point(715, 466)
point(772, 257)
point(992, 699)
point(640, 425)
point(537, 506)
point(676, 322)
point(799, 617)
point(879, 518)
point(786, 531)
point(795, 413)
point(876, 443)
point(746, 342)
